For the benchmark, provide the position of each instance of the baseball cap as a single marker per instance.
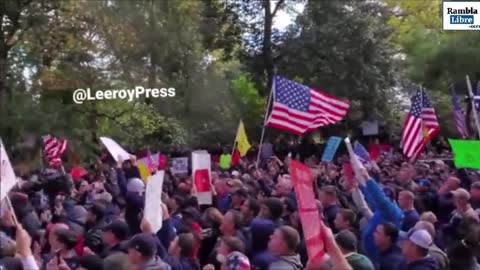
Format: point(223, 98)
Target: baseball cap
point(461, 193)
point(420, 238)
point(119, 228)
point(144, 244)
point(476, 185)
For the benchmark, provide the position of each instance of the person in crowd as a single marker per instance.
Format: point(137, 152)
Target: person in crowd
point(475, 195)
point(329, 200)
point(95, 223)
point(283, 246)
point(272, 208)
point(416, 251)
point(434, 251)
point(232, 225)
point(410, 215)
point(180, 253)
point(261, 229)
point(345, 220)
point(142, 253)
point(390, 255)
point(114, 236)
point(250, 209)
point(347, 241)
point(63, 242)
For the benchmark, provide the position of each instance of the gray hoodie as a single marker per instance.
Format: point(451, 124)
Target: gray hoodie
point(286, 263)
point(156, 264)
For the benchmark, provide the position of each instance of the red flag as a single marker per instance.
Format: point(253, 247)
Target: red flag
point(162, 162)
point(201, 180)
point(235, 158)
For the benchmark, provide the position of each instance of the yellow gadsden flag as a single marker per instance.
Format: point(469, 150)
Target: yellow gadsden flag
point(242, 142)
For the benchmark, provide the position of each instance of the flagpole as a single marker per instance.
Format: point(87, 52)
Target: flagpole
point(423, 127)
point(235, 140)
point(472, 100)
point(264, 122)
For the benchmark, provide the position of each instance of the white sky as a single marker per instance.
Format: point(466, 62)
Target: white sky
point(283, 19)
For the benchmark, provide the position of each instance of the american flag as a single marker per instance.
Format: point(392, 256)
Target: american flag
point(458, 115)
point(53, 149)
point(299, 109)
point(420, 126)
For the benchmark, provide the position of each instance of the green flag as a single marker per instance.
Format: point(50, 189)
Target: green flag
point(466, 154)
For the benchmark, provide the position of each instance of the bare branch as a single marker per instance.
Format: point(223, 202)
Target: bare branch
point(277, 7)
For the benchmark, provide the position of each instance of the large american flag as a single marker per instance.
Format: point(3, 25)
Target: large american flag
point(299, 109)
point(420, 126)
point(53, 149)
point(458, 115)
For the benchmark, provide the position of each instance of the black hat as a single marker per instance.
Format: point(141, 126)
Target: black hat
point(346, 240)
point(119, 228)
point(145, 244)
point(192, 213)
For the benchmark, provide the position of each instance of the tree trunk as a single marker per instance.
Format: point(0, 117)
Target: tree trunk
point(267, 44)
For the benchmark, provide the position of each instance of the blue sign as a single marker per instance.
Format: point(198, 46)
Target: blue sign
point(461, 19)
point(331, 149)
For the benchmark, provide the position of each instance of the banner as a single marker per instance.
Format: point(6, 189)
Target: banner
point(153, 201)
point(179, 165)
point(311, 223)
point(7, 175)
point(201, 176)
point(331, 148)
point(115, 149)
point(466, 154)
point(369, 128)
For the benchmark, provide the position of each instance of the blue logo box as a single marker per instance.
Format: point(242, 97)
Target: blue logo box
point(461, 19)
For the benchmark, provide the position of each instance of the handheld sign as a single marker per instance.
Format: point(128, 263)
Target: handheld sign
point(201, 176)
point(115, 149)
point(331, 149)
point(311, 223)
point(179, 165)
point(466, 154)
point(7, 175)
point(153, 201)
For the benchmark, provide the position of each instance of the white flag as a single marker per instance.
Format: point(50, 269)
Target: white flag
point(115, 149)
point(201, 176)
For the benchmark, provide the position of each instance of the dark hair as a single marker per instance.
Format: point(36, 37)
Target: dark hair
point(330, 190)
point(234, 244)
point(186, 242)
point(66, 237)
point(291, 237)
point(348, 215)
point(253, 206)
point(237, 218)
point(391, 231)
point(275, 207)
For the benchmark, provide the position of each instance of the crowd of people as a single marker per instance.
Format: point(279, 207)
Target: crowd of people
point(396, 215)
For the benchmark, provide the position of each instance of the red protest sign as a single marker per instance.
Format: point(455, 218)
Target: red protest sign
point(201, 181)
point(307, 207)
point(162, 162)
point(348, 173)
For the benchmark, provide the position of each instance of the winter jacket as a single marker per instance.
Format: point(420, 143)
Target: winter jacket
point(391, 259)
point(181, 263)
point(385, 211)
point(427, 263)
point(286, 263)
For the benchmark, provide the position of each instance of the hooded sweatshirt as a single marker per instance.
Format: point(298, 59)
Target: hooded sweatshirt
point(286, 263)
point(427, 263)
point(156, 264)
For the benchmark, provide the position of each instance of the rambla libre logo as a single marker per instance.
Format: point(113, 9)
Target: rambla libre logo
point(459, 15)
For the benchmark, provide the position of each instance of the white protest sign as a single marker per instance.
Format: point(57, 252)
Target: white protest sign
point(179, 165)
point(115, 149)
point(369, 128)
point(7, 175)
point(201, 176)
point(356, 164)
point(153, 201)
